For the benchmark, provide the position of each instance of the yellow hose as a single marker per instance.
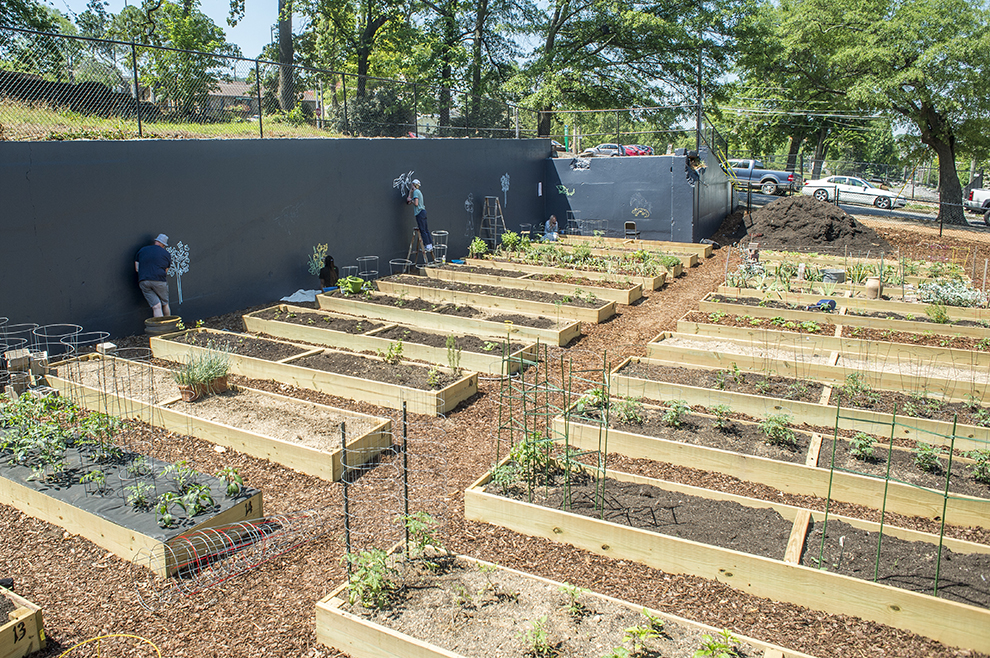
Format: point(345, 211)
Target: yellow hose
point(103, 637)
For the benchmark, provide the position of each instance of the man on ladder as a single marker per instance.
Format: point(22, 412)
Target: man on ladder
point(415, 198)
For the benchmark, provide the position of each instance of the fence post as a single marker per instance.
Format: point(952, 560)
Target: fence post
point(515, 111)
point(343, 87)
point(618, 135)
point(261, 108)
point(137, 88)
point(415, 113)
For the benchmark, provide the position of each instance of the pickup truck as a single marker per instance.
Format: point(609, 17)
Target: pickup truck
point(977, 200)
point(752, 174)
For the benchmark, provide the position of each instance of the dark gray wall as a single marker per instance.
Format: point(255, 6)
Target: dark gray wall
point(653, 191)
point(73, 214)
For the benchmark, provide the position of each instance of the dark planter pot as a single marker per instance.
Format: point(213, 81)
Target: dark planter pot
point(166, 324)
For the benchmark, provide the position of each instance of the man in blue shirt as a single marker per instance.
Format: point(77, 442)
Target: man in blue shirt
point(151, 264)
point(419, 210)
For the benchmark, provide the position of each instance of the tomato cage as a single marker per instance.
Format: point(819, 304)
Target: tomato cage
point(205, 558)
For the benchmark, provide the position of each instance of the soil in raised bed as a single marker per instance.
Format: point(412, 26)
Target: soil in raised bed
point(564, 277)
point(727, 380)
point(259, 348)
point(495, 291)
point(821, 327)
point(464, 342)
point(905, 564)
point(333, 323)
point(926, 339)
point(285, 419)
point(481, 614)
point(727, 524)
point(446, 308)
point(903, 468)
point(744, 438)
point(130, 379)
point(6, 607)
point(402, 374)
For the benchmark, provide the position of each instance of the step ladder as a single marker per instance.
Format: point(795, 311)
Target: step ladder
point(492, 222)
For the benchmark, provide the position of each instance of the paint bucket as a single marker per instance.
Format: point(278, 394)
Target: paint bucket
point(833, 276)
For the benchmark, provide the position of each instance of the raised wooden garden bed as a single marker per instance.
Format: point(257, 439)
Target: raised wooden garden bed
point(688, 260)
point(561, 334)
point(526, 282)
point(857, 303)
point(339, 626)
point(803, 478)
point(841, 262)
point(507, 302)
point(709, 305)
point(661, 352)
point(952, 623)
point(702, 250)
point(420, 401)
point(968, 437)
point(648, 282)
point(492, 362)
point(24, 631)
point(311, 453)
point(878, 349)
point(107, 520)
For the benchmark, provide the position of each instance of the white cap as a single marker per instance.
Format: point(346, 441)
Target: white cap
point(416, 182)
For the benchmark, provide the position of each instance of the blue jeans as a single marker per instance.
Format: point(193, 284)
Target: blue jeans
point(424, 230)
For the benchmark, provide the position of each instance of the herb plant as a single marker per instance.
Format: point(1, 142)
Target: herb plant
point(926, 457)
point(372, 581)
point(775, 428)
point(862, 446)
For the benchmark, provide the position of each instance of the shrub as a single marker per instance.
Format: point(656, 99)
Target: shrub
point(951, 293)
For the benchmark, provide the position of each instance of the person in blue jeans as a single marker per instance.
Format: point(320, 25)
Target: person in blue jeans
point(419, 210)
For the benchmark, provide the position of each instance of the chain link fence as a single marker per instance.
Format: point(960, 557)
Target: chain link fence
point(56, 87)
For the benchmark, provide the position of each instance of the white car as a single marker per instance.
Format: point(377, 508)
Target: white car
point(850, 189)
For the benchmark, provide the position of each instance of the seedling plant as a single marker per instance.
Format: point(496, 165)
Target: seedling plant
point(776, 429)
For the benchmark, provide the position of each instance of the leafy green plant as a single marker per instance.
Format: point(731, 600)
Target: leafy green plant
point(639, 635)
point(720, 380)
point(504, 476)
point(593, 399)
point(372, 581)
point(573, 593)
point(937, 313)
point(951, 293)
point(181, 473)
point(422, 535)
point(163, 509)
point(196, 499)
point(861, 446)
point(489, 346)
point(981, 465)
point(776, 429)
point(453, 354)
point(96, 477)
point(764, 386)
point(926, 457)
point(810, 326)
point(510, 241)
point(433, 378)
point(716, 316)
point(393, 354)
point(537, 639)
point(618, 652)
point(721, 413)
point(139, 495)
point(629, 411)
point(203, 369)
point(673, 413)
point(670, 261)
point(718, 646)
point(235, 483)
point(737, 374)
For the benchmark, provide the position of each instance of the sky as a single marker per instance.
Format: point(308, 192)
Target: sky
point(252, 33)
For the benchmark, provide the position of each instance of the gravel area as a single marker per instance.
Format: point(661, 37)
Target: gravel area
point(268, 611)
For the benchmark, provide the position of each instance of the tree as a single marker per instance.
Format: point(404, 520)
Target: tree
point(183, 79)
point(598, 54)
point(925, 61)
point(28, 14)
point(286, 49)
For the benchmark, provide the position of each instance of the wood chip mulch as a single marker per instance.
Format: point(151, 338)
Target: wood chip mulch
point(269, 611)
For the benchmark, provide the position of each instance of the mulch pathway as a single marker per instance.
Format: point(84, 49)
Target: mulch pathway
point(268, 611)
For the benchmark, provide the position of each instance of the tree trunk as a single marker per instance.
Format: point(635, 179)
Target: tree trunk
point(544, 122)
point(821, 148)
point(481, 18)
point(937, 134)
point(792, 153)
point(286, 81)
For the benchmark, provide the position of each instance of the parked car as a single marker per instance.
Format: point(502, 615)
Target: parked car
point(753, 174)
point(645, 150)
point(632, 149)
point(556, 146)
point(601, 149)
point(849, 189)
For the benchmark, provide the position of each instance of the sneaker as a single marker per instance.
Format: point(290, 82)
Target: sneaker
point(429, 248)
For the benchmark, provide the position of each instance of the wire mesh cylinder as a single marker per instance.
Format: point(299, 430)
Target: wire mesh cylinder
point(399, 266)
point(367, 267)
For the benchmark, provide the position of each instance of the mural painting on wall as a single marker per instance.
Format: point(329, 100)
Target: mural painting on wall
point(640, 206)
point(578, 164)
point(562, 189)
point(469, 207)
point(180, 264)
point(505, 189)
point(402, 183)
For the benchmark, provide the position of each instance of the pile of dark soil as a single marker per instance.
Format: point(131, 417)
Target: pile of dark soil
point(804, 222)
